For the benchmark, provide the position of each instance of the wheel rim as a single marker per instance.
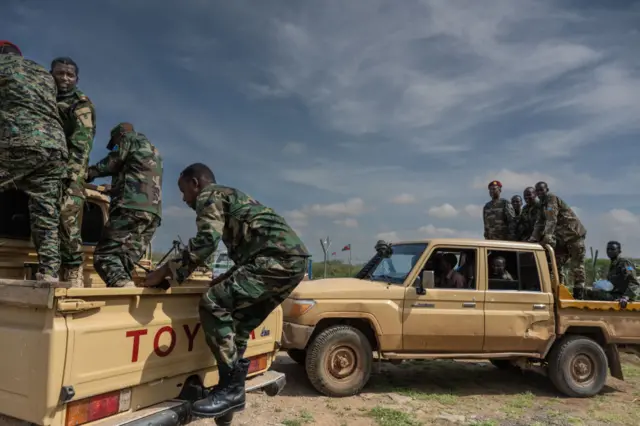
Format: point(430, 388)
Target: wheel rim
point(583, 369)
point(342, 362)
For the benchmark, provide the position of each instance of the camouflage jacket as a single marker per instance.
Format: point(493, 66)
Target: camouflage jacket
point(28, 112)
point(136, 170)
point(557, 222)
point(527, 221)
point(622, 274)
point(247, 228)
point(79, 124)
point(499, 220)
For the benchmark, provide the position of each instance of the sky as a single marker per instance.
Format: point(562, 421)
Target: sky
point(366, 119)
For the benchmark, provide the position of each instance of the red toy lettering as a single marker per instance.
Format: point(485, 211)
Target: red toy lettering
point(136, 342)
point(156, 341)
point(191, 336)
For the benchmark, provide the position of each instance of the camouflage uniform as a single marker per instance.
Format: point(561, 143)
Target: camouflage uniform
point(558, 226)
point(499, 220)
point(135, 210)
point(270, 258)
point(527, 221)
point(79, 119)
point(622, 274)
point(33, 151)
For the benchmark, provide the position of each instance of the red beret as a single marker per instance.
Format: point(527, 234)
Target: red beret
point(8, 43)
point(496, 183)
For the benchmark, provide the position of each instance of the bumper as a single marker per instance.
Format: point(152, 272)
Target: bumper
point(295, 336)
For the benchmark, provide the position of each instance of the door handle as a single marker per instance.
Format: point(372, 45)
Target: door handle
point(469, 305)
point(539, 306)
point(423, 305)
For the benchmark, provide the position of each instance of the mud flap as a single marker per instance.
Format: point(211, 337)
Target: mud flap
point(613, 357)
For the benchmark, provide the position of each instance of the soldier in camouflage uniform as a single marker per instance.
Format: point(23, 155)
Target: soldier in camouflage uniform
point(499, 217)
point(33, 150)
point(516, 202)
point(270, 261)
point(529, 216)
point(559, 226)
point(79, 120)
point(622, 274)
point(135, 210)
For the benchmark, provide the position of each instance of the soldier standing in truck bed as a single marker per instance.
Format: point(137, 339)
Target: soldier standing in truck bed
point(529, 216)
point(79, 123)
point(33, 150)
point(135, 210)
point(498, 215)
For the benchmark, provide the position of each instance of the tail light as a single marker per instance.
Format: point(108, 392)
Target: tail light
point(258, 363)
point(98, 407)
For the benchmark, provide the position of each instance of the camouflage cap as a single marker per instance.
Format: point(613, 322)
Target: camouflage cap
point(121, 129)
point(4, 43)
point(495, 183)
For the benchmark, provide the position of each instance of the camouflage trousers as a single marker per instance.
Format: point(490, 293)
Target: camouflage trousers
point(124, 240)
point(39, 174)
point(571, 254)
point(232, 309)
point(71, 253)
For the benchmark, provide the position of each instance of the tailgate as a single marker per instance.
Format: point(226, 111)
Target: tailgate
point(126, 337)
point(33, 350)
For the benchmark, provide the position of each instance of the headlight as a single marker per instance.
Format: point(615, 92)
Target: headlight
point(300, 307)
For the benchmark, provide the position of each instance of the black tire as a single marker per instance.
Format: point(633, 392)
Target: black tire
point(502, 364)
point(298, 355)
point(573, 358)
point(339, 344)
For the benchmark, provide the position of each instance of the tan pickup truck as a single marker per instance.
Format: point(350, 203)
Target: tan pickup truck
point(106, 356)
point(402, 306)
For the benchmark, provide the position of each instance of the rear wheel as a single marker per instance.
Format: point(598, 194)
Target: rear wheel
point(578, 367)
point(339, 361)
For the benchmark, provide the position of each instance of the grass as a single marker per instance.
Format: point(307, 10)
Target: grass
point(304, 417)
point(390, 417)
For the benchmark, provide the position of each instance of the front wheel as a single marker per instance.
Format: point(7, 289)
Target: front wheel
point(578, 367)
point(339, 361)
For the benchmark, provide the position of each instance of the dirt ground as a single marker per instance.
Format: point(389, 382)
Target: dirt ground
point(440, 393)
point(443, 393)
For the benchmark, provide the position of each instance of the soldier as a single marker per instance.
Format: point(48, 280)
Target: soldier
point(499, 269)
point(559, 226)
point(499, 216)
point(270, 261)
point(529, 215)
point(622, 274)
point(33, 150)
point(516, 202)
point(79, 123)
point(135, 210)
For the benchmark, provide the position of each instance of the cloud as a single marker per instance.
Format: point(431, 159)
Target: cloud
point(347, 223)
point(404, 199)
point(179, 212)
point(432, 231)
point(473, 210)
point(293, 148)
point(391, 236)
point(353, 207)
point(443, 211)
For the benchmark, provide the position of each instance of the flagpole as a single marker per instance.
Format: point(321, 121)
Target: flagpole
point(349, 259)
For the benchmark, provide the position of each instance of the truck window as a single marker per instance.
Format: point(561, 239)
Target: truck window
point(15, 220)
point(513, 271)
point(395, 269)
point(463, 262)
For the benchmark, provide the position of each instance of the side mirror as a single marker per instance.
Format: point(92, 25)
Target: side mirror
point(426, 280)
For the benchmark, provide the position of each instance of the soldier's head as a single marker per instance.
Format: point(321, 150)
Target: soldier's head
point(498, 265)
point(8, 48)
point(65, 72)
point(613, 249)
point(448, 261)
point(495, 189)
point(529, 195)
point(193, 180)
point(541, 189)
point(516, 202)
point(116, 135)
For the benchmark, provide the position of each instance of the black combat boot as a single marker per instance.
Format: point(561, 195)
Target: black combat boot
point(228, 398)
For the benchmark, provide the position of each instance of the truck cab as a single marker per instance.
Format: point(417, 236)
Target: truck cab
point(405, 304)
point(97, 355)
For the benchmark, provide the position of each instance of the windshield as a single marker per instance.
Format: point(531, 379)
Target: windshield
point(395, 269)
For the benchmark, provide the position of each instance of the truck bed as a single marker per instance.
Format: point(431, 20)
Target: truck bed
point(64, 344)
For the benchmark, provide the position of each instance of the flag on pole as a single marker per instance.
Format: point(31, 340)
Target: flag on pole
point(347, 247)
point(333, 254)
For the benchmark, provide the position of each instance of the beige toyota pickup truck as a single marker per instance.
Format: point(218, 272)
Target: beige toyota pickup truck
point(106, 356)
point(406, 304)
